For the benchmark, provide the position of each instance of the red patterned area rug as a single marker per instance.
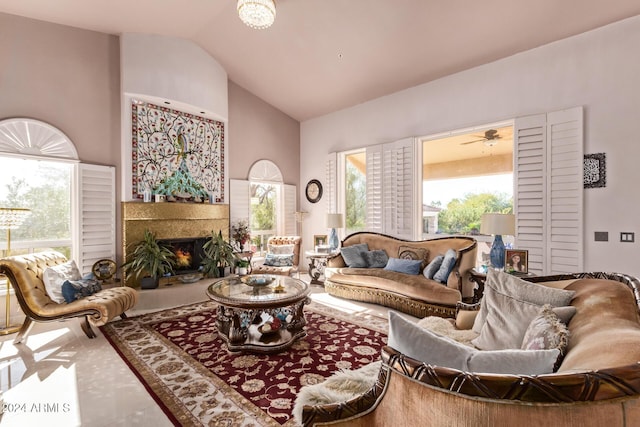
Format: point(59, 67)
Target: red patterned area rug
point(186, 367)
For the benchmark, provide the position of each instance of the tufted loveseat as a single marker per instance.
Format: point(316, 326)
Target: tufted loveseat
point(25, 274)
point(412, 294)
point(597, 383)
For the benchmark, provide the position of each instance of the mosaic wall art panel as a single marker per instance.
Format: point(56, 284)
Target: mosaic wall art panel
point(177, 154)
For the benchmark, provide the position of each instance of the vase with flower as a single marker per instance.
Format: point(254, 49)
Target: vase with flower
point(241, 233)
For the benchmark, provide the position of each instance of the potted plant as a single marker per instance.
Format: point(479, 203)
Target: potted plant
point(241, 233)
point(242, 266)
point(151, 260)
point(218, 255)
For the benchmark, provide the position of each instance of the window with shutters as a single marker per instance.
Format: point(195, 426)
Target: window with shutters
point(355, 191)
point(44, 187)
point(265, 202)
point(464, 174)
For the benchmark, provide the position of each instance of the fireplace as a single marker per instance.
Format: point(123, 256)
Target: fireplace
point(172, 222)
point(188, 251)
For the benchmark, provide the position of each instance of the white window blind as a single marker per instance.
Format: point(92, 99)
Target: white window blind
point(330, 187)
point(94, 213)
point(548, 193)
point(239, 200)
point(391, 188)
point(289, 210)
point(374, 189)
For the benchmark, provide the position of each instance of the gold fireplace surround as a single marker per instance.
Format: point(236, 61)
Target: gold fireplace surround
point(171, 221)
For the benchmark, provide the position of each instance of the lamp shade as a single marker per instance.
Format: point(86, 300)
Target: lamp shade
point(12, 218)
point(498, 224)
point(335, 220)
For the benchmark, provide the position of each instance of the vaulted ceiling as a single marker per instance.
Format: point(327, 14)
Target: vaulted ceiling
point(321, 56)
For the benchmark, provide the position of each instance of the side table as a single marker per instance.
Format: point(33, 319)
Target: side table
point(317, 264)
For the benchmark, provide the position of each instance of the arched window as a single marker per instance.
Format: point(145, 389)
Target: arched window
point(72, 204)
point(265, 202)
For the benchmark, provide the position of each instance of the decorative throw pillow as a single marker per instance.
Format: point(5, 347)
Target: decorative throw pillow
point(376, 259)
point(274, 260)
point(432, 349)
point(506, 322)
point(76, 289)
point(280, 249)
point(411, 252)
point(407, 266)
point(353, 255)
point(546, 331)
point(54, 277)
point(447, 265)
point(510, 285)
point(433, 267)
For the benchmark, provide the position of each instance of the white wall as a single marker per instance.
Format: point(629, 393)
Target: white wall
point(599, 70)
point(158, 68)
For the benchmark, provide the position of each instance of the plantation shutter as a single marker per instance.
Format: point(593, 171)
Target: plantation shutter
point(95, 215)
point(374, 189)
point(391, 194)
point(565, 191)
point(239, 200)
point(530, 188)
point(330, 187)
point(289, 210)
point(548, 194)
point(398, 188)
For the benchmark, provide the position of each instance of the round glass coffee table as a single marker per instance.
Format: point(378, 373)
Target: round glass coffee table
point(260, 313)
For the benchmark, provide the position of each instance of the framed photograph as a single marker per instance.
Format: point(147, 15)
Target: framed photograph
point(320, 240)
point(516, 261)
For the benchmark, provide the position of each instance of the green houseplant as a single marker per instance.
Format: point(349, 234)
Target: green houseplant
point(218, 254)
point(150, 259)
point(242, 266)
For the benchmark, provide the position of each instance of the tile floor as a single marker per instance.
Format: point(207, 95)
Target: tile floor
point(59, 377)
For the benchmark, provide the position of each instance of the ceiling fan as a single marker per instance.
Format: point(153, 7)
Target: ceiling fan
point(490, 138)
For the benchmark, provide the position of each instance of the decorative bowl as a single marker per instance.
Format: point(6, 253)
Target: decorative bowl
point(269, 328)
point(189, 278)
point(258, 280)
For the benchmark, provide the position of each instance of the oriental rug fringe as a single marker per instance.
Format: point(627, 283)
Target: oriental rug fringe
point(179, 357)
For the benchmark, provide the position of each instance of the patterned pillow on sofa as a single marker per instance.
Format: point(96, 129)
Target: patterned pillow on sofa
point(279, 260)
point(414, 253)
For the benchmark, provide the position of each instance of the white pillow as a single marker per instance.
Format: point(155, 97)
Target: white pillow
point(54, 277)
point(514, 287)
point(432, 349)
point(281, 249)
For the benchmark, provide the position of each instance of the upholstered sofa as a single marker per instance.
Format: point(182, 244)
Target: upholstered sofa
point(413, 294)
point(25, 273)
point(597, 383)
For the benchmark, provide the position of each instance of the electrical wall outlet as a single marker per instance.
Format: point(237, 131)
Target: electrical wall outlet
point(627, 236)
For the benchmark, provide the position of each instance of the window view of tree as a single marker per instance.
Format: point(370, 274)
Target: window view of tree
point(44, 188)
point(263, 214)
point(356, 193)
point(463, 215)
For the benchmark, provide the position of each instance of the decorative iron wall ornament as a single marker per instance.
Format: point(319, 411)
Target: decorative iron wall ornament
point(177, 154)
point(595, 170)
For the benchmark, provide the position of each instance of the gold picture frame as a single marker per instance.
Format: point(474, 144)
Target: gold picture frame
point(320, 240)
point(516, 261)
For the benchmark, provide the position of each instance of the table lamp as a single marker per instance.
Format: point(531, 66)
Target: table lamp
point(334, 220)
point(10, 219)
point(498, 224)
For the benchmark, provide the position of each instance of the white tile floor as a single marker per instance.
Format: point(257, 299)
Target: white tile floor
point(59, 377)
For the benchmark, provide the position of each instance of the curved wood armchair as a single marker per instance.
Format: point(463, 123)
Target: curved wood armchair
point(25, 274)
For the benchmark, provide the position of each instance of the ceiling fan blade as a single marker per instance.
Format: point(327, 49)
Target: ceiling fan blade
point(471, 142)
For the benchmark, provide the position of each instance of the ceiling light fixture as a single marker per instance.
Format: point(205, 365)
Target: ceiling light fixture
point(258, 14)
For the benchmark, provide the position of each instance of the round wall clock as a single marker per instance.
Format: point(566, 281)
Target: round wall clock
point(314, 191)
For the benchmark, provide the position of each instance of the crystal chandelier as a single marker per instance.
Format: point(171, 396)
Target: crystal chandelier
point(258, 14)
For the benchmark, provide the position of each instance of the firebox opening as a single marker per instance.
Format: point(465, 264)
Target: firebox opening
point(189, 253)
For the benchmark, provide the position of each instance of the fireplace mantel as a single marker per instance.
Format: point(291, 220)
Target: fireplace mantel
point(171, 221)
